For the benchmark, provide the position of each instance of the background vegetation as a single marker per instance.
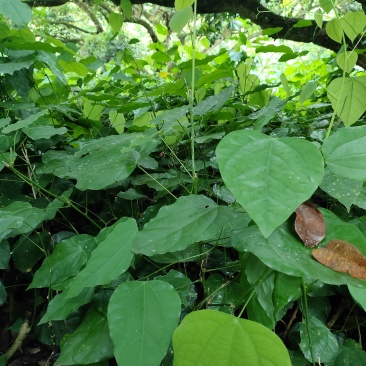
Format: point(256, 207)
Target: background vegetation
point(154, 168)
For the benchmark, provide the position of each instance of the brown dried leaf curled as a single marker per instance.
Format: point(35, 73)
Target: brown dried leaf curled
point(342, 257)
point(309, 224)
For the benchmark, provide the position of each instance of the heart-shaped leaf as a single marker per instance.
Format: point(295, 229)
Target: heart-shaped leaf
point(210, 337)
point(342, 257)
point(269, 177)
point(309, 224)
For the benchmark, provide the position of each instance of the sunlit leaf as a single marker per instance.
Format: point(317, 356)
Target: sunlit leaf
point(142, 317)
point(353, 23)
point(206, 336)
point(347, 60)
point(126, 8)
point(180, 19)
point(334, 30)
point(115, 20)
point(346, 96)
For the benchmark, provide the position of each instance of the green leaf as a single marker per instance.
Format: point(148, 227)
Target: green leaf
point(142, 317)
point(345, 152)
point(16, 11)
point(180, 19)
point(347, 60)
point(11, 67)
point(126, 8)
point(284, 253)
point(345, 190)
point(4, 254)
point(73, 66)
point(209, 337)
point(269, 177)
point(23, 123)
point(346, 96)
point(334, 30)
point(190, 219)
point(110, 259)
point(101, 162)
point(308, 91)
point(270, 31)
point(2, 293)
point(303, 23)
point(213, 103)
point(65, 262)
point(348, 355)
point(8, 223)
point(30, 217)
point(324, 344)
point(353, 23)
point(326, 5)
point(60, 306)
point(89, 343)
point(181, 4)
point(274, 48)
point(318, 17)
point(117, 121)
point(183, 285)
point(359, 295)
point(285, 85)
point(115, 20)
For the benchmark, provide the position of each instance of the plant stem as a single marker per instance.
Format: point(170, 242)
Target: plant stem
point(191, 99)
point(307, 321)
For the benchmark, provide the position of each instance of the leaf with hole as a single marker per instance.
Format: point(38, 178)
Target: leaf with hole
point(269, 177)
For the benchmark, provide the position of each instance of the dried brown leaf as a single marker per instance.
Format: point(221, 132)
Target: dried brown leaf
point(309, 224)
point(342, 257)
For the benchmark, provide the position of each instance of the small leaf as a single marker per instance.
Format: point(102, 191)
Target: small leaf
point(180, 19)
point(326, 5)
point(126, 8)
point(334, 30)
point(342, 257)
point(347, 98)
point(210, 337)
point(309, 224)
point(353, 23)
point(347, 60)
point(115, 20)
point(318, 17)
point(285, 85)
point(181, 4)
point(308, 91)
point(142, 317)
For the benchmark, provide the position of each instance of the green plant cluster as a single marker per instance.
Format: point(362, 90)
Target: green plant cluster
point(146, 204)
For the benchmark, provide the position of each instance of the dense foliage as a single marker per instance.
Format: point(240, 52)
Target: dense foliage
point(147, 203)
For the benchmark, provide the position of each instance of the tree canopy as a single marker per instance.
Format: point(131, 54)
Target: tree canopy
point(289, 28)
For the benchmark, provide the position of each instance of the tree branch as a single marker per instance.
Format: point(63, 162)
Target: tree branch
point(90, 14)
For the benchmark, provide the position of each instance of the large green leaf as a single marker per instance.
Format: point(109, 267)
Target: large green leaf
point(347, 98)
point(4, 254)
point(213, 103)
point(180, 19)
point(284, 253)
point(190, 219)
point(345, 152)
point(209, 337)
point(101, 162)
point(269, 177)
point(110, 259)
point(142, 317)
point(18, 12)
point(353, 23)
point(89, 343)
